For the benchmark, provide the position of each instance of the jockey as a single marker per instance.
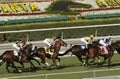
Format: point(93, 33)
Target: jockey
point(105, 41)
point(87, 40)
point(18, 46)
point(49, 43)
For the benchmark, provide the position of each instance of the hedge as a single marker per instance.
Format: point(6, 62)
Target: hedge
point(73, 33)
point(69, 33)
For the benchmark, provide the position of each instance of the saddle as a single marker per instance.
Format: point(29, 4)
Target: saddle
point(104, 49)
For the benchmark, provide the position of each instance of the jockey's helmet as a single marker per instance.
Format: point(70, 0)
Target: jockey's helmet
point(17, 42)
point(58, 37)
point(91, 36)
point(109, 37)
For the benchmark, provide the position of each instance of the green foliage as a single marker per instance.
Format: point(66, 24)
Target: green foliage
point(70, 33)
point(61, 6)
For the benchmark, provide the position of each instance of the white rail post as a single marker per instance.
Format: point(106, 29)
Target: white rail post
point(46, 76)
point(94, 75)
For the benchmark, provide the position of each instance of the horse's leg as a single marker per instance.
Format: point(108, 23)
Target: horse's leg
point(54, 56)
point(31, 65)
point(54, 62)
point(22, 65)
point(105, 58)
point(43, 61)
point(7, 65)
point(13, 66)
point(80, 59)
point(94, 59)
point(99, 61)
point(86, 61)
point(36, 61)
point(86, 64)
point(1, 62)
point(109, 61)
point(58, 61)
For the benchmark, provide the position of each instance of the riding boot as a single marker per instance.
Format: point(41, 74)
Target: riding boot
point(19, 55)
point(51, 49)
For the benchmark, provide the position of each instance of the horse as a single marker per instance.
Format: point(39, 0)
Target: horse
point(42, 54)
point(77, 51)
point(95, 50)
point(9, 57)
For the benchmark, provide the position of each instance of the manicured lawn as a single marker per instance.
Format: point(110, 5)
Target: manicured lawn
point(69, 68)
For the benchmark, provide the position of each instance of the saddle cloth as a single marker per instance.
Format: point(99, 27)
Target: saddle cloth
point(15, 53)
point(104, 49)
point(83, 46)
point(48, 51)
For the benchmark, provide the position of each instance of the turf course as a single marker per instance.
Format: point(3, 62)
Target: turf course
point(68, 64)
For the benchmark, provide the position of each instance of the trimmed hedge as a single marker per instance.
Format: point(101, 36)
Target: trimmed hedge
point(70, 33)
point(59, 24)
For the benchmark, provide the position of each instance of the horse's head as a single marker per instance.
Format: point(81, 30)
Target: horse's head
point(60, 42)
point(96, 42)
point(116, 45)
point(27, 48)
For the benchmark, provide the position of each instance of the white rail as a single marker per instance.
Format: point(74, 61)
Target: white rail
point(63, 73)
point(61, 28)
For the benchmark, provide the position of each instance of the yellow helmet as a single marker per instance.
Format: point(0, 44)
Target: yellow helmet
point(91, 36)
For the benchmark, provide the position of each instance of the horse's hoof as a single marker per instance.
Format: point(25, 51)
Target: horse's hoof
point(19, 71)
point(58, 64)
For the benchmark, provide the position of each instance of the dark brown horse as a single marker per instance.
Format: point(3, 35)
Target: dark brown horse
point(95, 50)
point(41, 52)
point(77, 51)
point(9, 57)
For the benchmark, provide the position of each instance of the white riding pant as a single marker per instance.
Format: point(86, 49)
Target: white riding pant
point(16, 47)
point(84, 41)
point(102, 43)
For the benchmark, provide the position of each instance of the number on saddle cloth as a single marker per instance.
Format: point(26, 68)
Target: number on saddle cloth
point(83, 46)
point(104, 49)
point(15, 53)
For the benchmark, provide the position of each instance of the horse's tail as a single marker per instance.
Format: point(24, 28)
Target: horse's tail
point(118, 51)
point(65, 52)
point(1, 60)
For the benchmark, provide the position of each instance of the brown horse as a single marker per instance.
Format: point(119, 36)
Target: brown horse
point(41, 52)
point(95, 50)
point(9, 57)
point(77, 51)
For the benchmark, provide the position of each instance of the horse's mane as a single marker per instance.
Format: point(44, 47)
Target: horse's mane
point(115, 43)
point(25, 47)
